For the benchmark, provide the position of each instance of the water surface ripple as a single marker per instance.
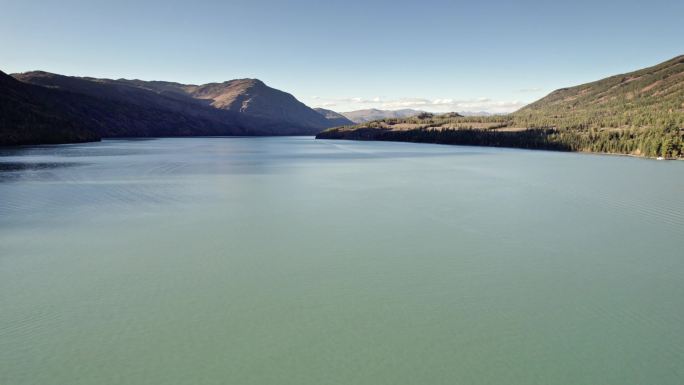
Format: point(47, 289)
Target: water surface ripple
point(296, 261)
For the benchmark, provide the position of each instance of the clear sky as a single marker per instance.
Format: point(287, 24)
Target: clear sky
point(434, 55)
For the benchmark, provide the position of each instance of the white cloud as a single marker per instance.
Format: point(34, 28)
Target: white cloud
point(432, 105)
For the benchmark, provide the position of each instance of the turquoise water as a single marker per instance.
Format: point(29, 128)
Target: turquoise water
point(300, 261)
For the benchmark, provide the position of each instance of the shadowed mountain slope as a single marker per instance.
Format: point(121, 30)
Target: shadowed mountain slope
point(40, 107)
point(249, 105)
point(31, 114)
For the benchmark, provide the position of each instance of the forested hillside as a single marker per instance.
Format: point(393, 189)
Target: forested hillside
point(639, 113)
point(651, 97)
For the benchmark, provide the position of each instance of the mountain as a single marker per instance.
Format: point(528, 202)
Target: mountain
point(362, 116)
point(249, 105)
point(252, 97)
point(648, 97)
point(334, 118)
point(31, 114)
point(136, 108)
point(640, 113)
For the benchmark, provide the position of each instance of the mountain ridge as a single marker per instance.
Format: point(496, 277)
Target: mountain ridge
point(138, 108)
point(248, 98)
point(370, 114)
point(632, 99)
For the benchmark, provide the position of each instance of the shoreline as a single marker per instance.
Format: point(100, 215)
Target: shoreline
point(510, 147)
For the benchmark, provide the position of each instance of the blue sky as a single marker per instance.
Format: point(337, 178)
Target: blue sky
point(345, 55)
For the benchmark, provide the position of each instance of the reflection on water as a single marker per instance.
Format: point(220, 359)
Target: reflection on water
point(296, 261)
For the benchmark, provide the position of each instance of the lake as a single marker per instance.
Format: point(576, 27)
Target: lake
point(299, 261)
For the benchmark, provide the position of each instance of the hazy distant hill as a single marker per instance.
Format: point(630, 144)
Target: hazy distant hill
point(639, 113)
point(136, 108)
point(362, 116)
point(333, 117)
point(477, 113)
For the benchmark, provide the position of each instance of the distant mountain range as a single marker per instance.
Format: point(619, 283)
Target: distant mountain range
point(640, 113)
point(478, 113)
point(363, 116)
point(41, 107)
